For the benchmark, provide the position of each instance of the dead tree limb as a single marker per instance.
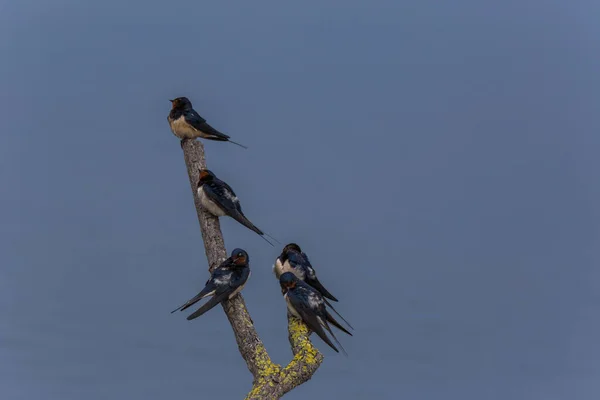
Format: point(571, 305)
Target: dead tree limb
point(270, 380)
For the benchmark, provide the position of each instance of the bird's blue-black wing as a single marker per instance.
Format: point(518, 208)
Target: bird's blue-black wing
point(219, 274)
point(222, 194)
point(199, 123)
point(239, 278)
point(310, 313)
point(300, 260)
point(226, 285)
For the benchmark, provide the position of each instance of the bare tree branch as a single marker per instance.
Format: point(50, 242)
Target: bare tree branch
point(271, 381)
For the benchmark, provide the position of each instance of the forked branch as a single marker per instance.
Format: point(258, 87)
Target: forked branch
point(271, 381)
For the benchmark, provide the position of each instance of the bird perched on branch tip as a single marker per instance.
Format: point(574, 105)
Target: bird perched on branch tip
point(187, 124)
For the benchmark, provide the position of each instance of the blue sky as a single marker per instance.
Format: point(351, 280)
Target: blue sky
point(438, 163)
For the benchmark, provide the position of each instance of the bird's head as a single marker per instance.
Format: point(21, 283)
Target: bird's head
point(290, 247)
point(181, 103)
point(239, 257)
point(205, 175)
point(287, 281)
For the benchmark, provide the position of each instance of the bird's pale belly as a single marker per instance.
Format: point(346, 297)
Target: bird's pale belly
point(183, 130)
point(280, 269)
point(209, 205)
point(291, 308)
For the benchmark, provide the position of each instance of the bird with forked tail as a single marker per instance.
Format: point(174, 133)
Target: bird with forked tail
point(226, 281)
point(306, 303)
point(186, 123)
point(219, 199)
point(293, 259)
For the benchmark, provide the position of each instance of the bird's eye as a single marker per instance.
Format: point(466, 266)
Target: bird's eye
point(240, 254)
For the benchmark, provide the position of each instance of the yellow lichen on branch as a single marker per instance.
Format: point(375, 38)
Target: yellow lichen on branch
point(275, 381)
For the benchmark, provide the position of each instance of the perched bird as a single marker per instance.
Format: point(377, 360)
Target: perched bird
point(293, 259)
point(219, 199)
point(186, 123)
point(227, 280)
point(306, 303)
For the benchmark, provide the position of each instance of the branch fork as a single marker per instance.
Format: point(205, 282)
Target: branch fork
point(271, 381)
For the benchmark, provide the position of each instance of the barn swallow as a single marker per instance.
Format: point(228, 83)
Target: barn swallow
point(219, 199)
point(306, 303)
point(227, 280)
point(293, 259)
point(186, 123)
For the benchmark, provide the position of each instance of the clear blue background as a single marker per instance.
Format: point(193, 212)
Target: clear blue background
point(438, 161)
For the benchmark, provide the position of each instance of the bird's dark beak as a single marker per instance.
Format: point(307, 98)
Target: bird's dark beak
point(171, 101)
